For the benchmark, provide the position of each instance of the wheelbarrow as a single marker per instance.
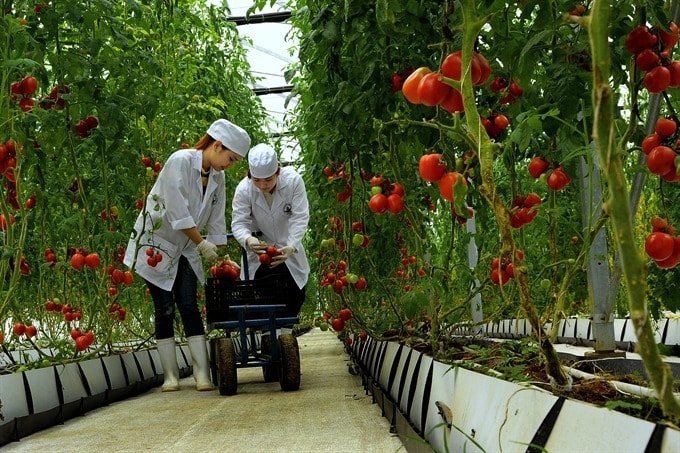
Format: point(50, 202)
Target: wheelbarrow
point(246, 310)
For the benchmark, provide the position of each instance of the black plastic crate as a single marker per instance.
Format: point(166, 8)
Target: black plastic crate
point(222, 293)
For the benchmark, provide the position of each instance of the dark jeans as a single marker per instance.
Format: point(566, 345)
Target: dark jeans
point(183, 294)
point(294, 297)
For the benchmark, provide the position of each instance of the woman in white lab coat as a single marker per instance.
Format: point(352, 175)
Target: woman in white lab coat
point(270, 208)
point(187, 199)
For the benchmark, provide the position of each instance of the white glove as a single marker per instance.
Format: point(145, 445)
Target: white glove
point(207, 250)
point(232, 263)
point(256, 245)
point(284, 253)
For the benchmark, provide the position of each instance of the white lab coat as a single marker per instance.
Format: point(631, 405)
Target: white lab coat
point(177, 202)
point(285, 223)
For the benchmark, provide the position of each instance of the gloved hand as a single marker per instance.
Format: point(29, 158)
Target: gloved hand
point(208, 250)
point(232, 263)
point(256, 245)
point(284, 253)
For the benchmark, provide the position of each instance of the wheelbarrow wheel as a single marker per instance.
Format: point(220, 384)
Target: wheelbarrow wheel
point(226, 368)
point(271, 372)
point(290, 362)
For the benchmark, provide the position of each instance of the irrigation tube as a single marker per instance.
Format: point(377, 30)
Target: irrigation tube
point(623, 387)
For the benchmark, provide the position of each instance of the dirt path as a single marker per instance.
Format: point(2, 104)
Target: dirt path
point(330, 412)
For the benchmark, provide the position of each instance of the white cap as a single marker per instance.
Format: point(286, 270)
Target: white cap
point(262, 161)
point(231, 136)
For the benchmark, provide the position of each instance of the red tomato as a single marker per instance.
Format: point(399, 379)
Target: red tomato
point(498, 84)
point(640, 39)
point(78, 261)
point(272, 251)
point(484, 67)
point(117, 275)
point(128, 278)
point(338, 324)
point(19, 329)
point(431, 167)
point(26, 104)
point(396, 82)
point(345, 314)
point(515, 89)
point(31, 331)
point(647, 59)
point(92, 260)
point(674, 69)
point(360, 284)
point(395, 204)
point(453, 102)
point(558, 179)
point(659, 246)
point(82, 343)
point(431, 90)
point(672, 260)
point(665, 127)
point(670, 37)
point(452, 67)
point(661, 160)
point(531, 200)
point(657, 80)
point(378, 203)
point(265, 259)
point(501, 121)
point(410, 86)
point(397, 188)
point(650, 142)
point(447, 182)
point(28, 85)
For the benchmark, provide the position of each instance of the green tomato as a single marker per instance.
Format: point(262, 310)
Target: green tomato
point(358, 239)
point(375, 190)
point(352, 278)
point(323, 326)
point(545, 283)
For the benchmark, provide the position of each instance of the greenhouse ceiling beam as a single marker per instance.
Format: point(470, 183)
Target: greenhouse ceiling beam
point(260, 18)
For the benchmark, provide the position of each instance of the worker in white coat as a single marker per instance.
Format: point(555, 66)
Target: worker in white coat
point(270, 208)
point(187, 200)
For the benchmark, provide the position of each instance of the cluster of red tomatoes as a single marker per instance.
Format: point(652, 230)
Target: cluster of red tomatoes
point(423, 86)
point(502, 270)
point(661, 246)
point(148, 163)
point(387, 196)
point(509, 91)
point(82, 339)
point(19, 329)
point(153, 257)
point(557, 179)
point(495, 124)
point(432, 168)
point(8, 163)
point(524, 209)
point(270, 252)
point(81, 258)
point(70, 313)
point(22, 91)
point(224, 268)
point(84, 126)
point(117, 312)
point(660, 146)
point(338, 324)
point(338, 278)
point(652, 50)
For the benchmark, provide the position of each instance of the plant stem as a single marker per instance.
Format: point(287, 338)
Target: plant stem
point(618, 208)
point(486, 150)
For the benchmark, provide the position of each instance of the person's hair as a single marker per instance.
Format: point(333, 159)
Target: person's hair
point(204, 142)
point(278, 170)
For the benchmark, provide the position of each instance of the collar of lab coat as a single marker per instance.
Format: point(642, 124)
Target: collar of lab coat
point(282, 187)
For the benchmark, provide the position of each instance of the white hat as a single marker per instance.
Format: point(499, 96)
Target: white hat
point(231, 136)
point(262, 161)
